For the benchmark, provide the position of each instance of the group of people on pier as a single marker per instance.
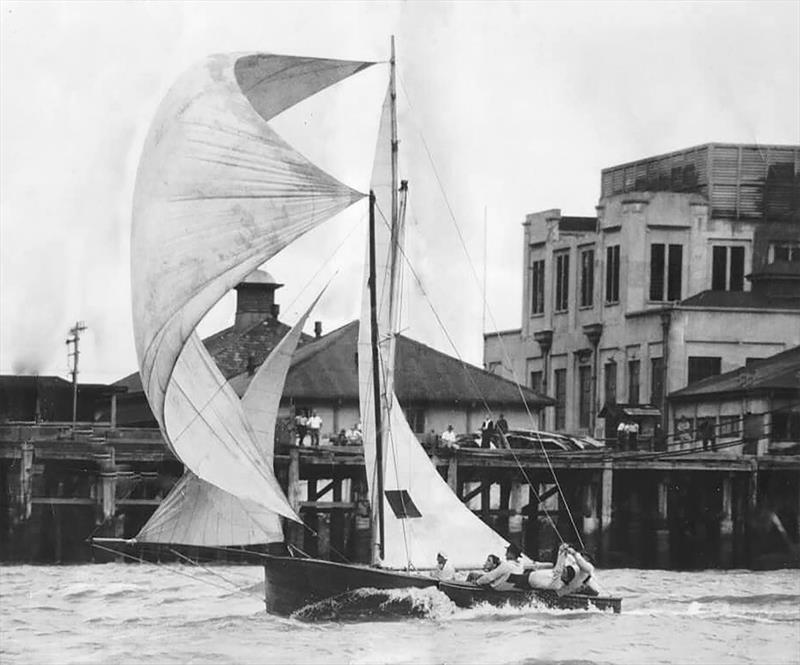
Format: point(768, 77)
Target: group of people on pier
point(571, 572)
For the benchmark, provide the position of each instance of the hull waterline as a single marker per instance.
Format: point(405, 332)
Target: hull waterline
point(469, 595)
point(292, 583)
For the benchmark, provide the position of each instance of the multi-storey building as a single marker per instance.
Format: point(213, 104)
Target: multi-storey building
point(690, 268)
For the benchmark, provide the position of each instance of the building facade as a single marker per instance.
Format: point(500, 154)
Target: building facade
point(690, 268)
point(754, 409)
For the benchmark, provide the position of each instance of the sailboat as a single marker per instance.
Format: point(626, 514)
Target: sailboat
point(218, 193)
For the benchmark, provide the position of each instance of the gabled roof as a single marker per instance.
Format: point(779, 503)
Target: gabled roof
point(780, 372)
point(232, 349)
point(327, 368)
point(738, 300)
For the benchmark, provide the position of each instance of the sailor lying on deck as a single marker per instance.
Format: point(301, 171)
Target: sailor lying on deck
point(498, 577)
point(577, 575)
point(572, 573)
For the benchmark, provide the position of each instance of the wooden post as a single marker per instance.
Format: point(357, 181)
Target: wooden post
point(752, 506)
point(452, 474)
point(591, 520)
point(606, 509)
point(662, 523)
point(337, 543)
point(726, 524)
point(362, 525)
point(26, 480)
point(311, 518)
point(516, 522)
point(113, 423)
point(323, 535)
point(505, 505)
point(295, 531)
point(108, 492)
point(635, 527)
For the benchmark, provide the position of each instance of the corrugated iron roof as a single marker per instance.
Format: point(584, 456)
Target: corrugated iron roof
point(327, 368)
point(738, 299)
point(778, 372)
point(232, 349)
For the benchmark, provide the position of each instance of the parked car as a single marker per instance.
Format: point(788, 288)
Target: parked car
point(550, 441)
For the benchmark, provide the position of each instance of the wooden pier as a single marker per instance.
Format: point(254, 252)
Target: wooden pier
point(635, 509)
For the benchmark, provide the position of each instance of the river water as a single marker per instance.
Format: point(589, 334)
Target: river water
point(143, 613)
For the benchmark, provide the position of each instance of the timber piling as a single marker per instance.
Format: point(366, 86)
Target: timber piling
point(60, 486)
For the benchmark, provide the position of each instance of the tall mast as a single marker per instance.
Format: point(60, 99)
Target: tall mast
point(376, 383)
point(395, 228)
point(377, 393)
point(393, 96)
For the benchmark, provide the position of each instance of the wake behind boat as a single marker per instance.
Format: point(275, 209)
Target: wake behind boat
point(218, 193)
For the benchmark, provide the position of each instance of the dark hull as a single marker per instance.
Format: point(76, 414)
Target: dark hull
point(292, 583)
point(468, 595)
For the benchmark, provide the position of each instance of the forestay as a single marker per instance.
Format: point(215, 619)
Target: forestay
point(219, 192)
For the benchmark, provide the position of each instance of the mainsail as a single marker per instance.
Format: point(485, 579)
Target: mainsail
point(423, 515)
point(218, 192)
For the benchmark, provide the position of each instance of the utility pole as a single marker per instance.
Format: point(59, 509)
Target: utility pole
point(74, 339)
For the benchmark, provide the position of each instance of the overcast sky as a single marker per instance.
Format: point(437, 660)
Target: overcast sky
point(505, 109)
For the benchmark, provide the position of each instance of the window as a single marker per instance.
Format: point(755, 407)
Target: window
point(536, 382)
point(785, 426)
point(727, 269)
point(416, 419)
point(666, 268)
point(560, 376)
point(633, 381)
point(537, 287)
point(786, 251)
point(684, 429)
point(611, 382)
point(493, 367)
point(729, 426)
point(656, 381)
point(562, 282)
point(612, 274)
point(585, 397)
point(587, 278)
point(701, 367)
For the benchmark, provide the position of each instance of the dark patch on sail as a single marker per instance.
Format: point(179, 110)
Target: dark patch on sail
point(401, 503)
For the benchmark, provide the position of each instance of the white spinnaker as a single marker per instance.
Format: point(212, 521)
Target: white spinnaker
point(218, 192)
point(445, 522)
point(195, 512)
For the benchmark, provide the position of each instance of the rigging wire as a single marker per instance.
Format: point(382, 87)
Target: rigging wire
point(491, 317)
point(158, 564)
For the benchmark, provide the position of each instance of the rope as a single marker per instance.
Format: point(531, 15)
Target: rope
point(173, 570)
point(506, 356)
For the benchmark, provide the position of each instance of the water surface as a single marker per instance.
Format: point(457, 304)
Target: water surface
point(144, 613)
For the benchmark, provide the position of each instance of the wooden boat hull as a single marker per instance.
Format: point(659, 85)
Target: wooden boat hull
point(291, 583)
point(469, 595)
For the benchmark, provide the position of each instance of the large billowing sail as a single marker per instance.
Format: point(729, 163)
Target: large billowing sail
point(422, 514)
point(218, 192)
point(195, 512)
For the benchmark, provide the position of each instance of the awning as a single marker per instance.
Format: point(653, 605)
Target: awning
point(629, 411)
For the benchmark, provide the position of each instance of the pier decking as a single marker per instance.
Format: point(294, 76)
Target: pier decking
point(639, 509)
